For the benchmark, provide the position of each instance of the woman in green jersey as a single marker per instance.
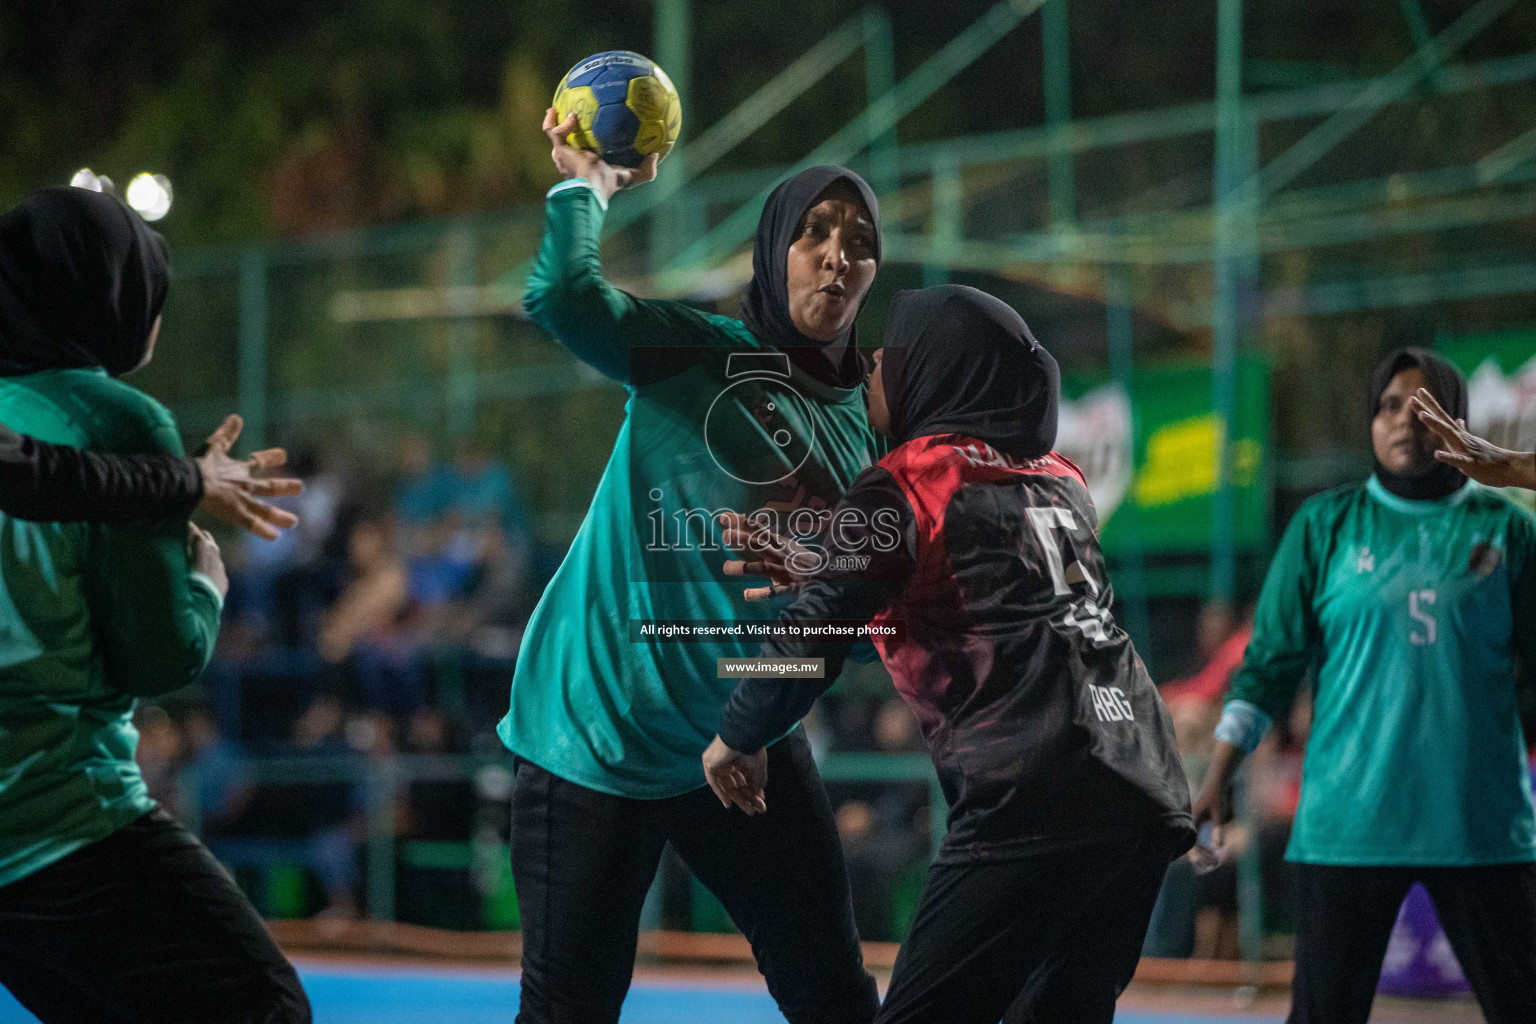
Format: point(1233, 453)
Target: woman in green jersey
point(109, 909)
point(1412, 597)
point(612, 704)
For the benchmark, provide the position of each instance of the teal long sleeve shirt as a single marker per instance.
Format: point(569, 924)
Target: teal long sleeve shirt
point(91, 617)
point(714, 421)
point(1419, 619)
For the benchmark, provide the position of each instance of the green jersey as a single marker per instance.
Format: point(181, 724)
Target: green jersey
point(90, 617)
point(1415, 616)
point(715, 421)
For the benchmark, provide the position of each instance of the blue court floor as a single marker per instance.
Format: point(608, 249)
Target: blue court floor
point(409, 995)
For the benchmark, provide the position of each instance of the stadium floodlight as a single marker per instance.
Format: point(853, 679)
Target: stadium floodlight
point(89, 179)
point(150, 195)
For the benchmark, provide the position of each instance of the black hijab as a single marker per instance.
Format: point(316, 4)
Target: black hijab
point(765, 304)
point(1450, 390)
point(82, 279)
point(960, 361)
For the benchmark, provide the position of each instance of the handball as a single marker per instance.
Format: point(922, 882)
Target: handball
point(626, 107)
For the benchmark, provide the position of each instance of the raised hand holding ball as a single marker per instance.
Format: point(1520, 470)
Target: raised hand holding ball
point(580, 163)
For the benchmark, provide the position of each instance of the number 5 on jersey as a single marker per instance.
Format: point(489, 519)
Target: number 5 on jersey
point(1419, 604)
point(1085, 614)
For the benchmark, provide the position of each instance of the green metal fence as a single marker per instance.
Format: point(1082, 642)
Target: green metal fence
point(383, 781)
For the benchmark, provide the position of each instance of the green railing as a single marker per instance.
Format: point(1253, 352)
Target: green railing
point(384, 779)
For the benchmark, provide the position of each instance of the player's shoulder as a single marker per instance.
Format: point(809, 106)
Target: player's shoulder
point(1319, 517)
point(118, 417)
point(1498, 503)
point(1332, 503)
point(954, 459)
point(919, 458)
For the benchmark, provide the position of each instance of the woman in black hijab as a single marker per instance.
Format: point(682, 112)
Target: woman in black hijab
point(109, 909)
point(47, 262)
point(786, 304)
point(972, 550)
point(959, 361)
point(1407, 603)
point(761, 415)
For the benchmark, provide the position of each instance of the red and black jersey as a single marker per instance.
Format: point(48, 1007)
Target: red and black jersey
point(1042, 721)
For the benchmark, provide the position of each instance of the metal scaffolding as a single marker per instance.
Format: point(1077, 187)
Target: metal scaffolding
point(1272, 186)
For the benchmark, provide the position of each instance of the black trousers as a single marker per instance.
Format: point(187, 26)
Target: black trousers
point(1345, 917)
point(583, 861)
point(143, 927)
point(1048, 939)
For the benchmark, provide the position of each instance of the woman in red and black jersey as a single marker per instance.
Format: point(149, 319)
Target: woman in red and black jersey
point(974, 547)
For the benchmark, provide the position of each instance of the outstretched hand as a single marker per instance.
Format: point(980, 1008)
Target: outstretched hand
point(738, 779)
point(582, 163)
point(233, 488)
point(1481, 460)
point(785, 562)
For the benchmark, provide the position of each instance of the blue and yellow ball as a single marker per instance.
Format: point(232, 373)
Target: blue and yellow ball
point(625, 107)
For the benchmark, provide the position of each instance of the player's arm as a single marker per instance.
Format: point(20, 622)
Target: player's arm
point(1284, 643)
point(1481, 460)
point(873, 520)
point(54, 483)
point(567, 295)
point(155, 613)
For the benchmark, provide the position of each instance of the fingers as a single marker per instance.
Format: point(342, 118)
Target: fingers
point(1433, 416)
point(559, 131)
point(550, 120)
point(251, 521)
point(1427, 399)
point(642, 174)
point(279, 517)
point(224, 438)
point(732, 789)
point(745, 795)
point(1456, 459)
point(278, 487)
point(266, 460)
point(718, 789)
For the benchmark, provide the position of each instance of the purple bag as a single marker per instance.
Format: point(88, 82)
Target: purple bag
point(1419, 960)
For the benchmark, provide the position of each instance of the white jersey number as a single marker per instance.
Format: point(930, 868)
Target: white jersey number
point(1419, 604)
point(1085, 613)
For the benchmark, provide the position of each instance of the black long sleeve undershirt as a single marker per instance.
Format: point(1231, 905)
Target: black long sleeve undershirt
point(54, 483)
point(873, 519)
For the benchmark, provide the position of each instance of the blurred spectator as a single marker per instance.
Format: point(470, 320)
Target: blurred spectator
point(278, 587)
point(425, 488)
point(484, 494)
point(1223, 638)
point(364, 630)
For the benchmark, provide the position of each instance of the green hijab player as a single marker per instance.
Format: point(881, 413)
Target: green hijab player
point(1412, 597)
point(764, 414)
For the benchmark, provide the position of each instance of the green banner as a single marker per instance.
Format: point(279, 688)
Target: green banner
point(1151, 456)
